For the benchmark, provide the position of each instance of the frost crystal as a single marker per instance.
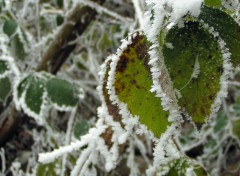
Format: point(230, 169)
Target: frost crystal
point(183, 7)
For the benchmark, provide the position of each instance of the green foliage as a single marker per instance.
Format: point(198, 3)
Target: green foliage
point(61, 92)
point(5, 88)
point(81, 128)
point(236, 129)
point(182, 167)
point(46, 170)
point(227, 28)
point(17, 48)
point(34, 95)
point(59, 20)
point(16, 45)
point(37, 90)
point(21, 87)
point(133, 83)
point(3, 67)
point(195, 66)
point(9, 27)
point(213, 3)
point(221, 122)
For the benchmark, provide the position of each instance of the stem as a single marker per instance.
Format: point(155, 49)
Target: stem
point(60, 49)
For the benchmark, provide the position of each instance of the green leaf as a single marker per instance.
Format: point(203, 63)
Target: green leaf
point(9, 27)
point(236, 129)
point(5, 88)
point(195, 65)
point(62, 93)
point(23, 85)
point(60, 3)
point(17, 48)
point(46, 170)
point(34, 95)
point(182, 167)
point(227, 28)
point(213, 3)
point(3, 67)
point(81, 128)
point(132, 85)
point(59, 19)
point(220, 122)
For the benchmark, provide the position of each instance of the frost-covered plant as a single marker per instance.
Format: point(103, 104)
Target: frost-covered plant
point(176, 70)
point(173, 72)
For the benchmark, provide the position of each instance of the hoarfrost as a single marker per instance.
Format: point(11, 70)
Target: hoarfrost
point(183, 7)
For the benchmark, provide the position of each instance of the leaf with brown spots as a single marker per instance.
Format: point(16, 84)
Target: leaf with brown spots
point(195, 66)
point(132, 85)
point(113, 109)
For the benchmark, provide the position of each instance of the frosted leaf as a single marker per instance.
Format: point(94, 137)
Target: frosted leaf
point(32, 92)
point(129, 85)
point(226, 28)
point(195, 66)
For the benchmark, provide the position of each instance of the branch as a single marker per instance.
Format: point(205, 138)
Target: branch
point(59, 50)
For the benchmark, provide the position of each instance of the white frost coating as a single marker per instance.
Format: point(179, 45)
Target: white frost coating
point(152, 28)
point(183, 7)
point(130, 121)
point(85, 140)
point(196, 70)
point(163, 151)
point(227, 71)
point(168, 99)
point(154, 19)
point(95, 146)
point(4, 40)
point(20, 102)
point(38, 117)
point(195, 73)
point(16, 82)
point(230, 4)
point(62, 107)
point(100, 9)
point(138, 12)
point(3, 161)
point(169, 45)
point(11, 66)
point(68, 138)
point(80, 162)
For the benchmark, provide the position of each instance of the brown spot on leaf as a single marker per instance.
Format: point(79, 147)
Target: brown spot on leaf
point(122, 64)
point(133, 81)
point(203, 111)
point(220, 69)
point(211, 97)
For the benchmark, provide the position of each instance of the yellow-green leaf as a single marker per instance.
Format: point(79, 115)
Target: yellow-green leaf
point(132, 85)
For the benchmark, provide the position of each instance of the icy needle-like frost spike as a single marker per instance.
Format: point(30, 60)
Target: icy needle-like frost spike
point(227, 28)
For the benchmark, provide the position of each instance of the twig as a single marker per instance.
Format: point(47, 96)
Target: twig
point(59, 50)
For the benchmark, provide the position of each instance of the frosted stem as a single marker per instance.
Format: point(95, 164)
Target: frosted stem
point(51, 156)
point(139, 12)
point(68, 138)
point(80, 162)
